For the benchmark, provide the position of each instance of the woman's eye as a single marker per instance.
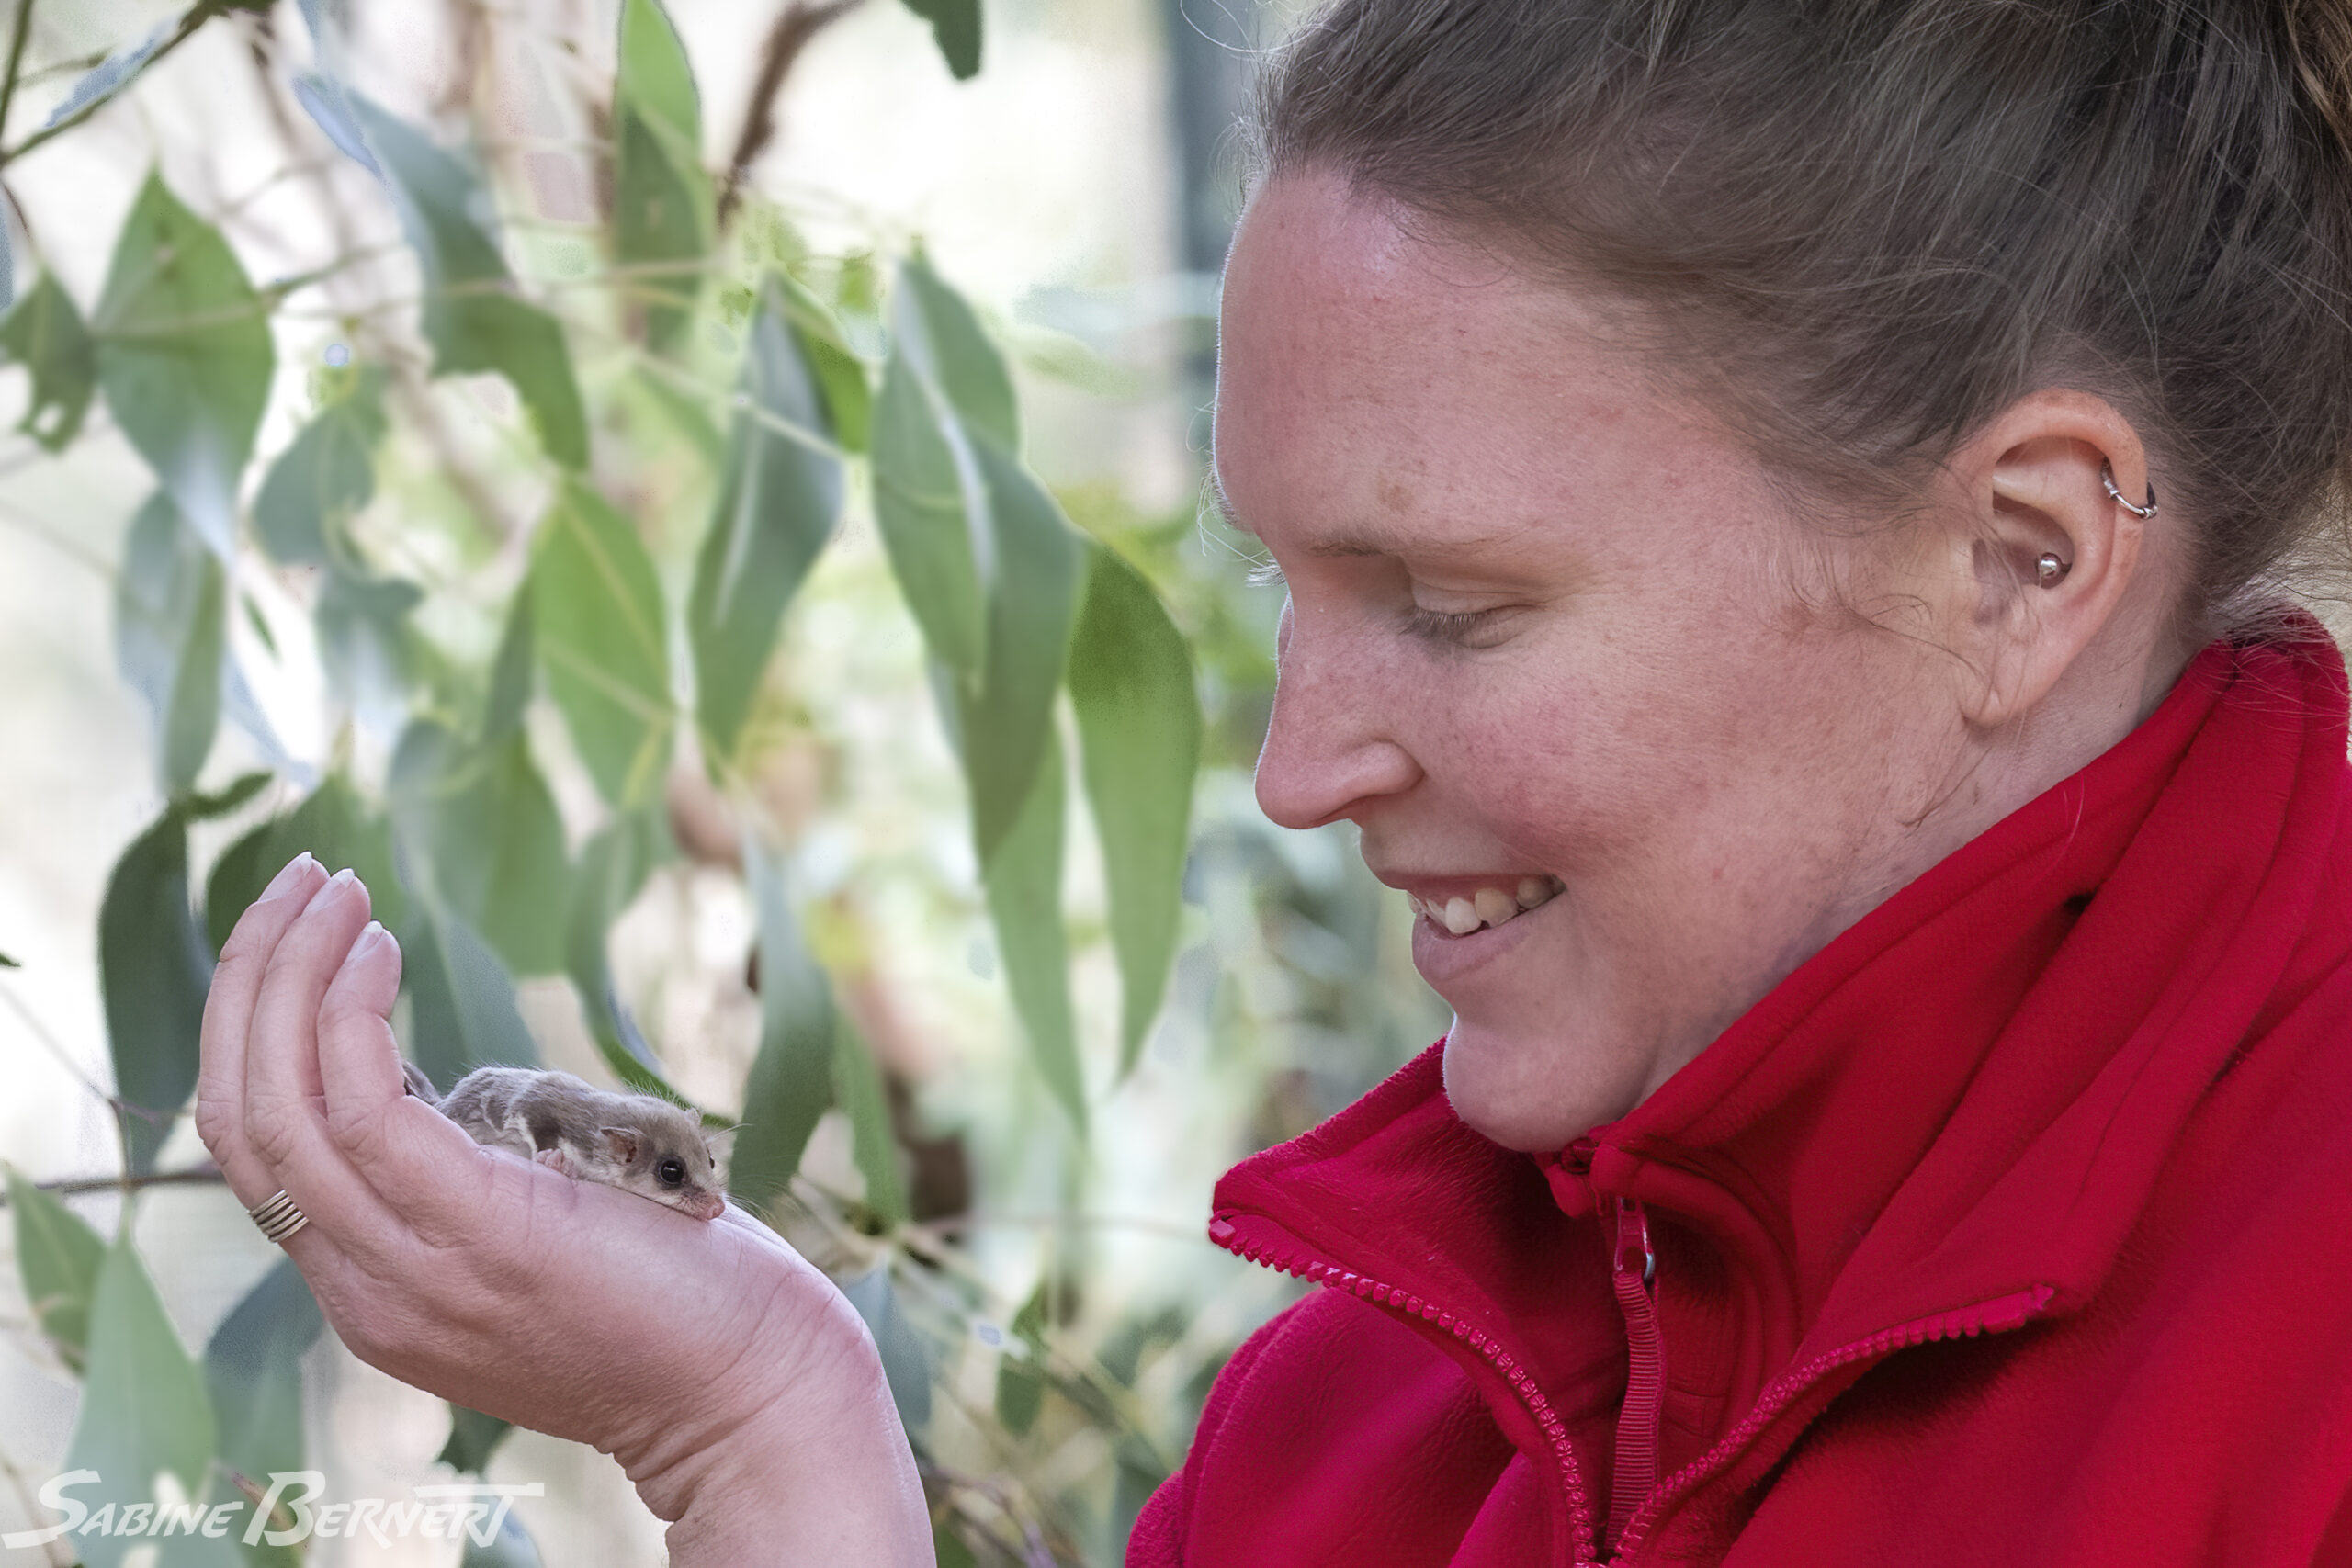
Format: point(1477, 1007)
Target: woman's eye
point(671, 1171)
point(1452, 628)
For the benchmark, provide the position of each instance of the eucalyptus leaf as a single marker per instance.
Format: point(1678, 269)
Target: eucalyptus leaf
point(511, 1547)
point(941, 334)
point(337, 829)
point(1007, 719)
point(486, 828)
point(253, 1373)
point(956, 27)
point(185, 357)
point(509, 671)
point(461, 1000)
point(471, 316)
point(200, 807)
point(778, 503)
point(597, 616)
point(790, 1083)
point(144, 1411)
point(365, 643)
point(661, 196)
point(840, 371)
point(154, 970)
point(58, 1257)
point(614, 865)
point(44, 333)
point(171, 634)
point(326, 476)
point(905, 1364)
point(1020, 1375)
point(859, 1089)
point(111, 74)
point(473, 1437)
point(932, 513)
point(1024, 893)
point(1139, 746)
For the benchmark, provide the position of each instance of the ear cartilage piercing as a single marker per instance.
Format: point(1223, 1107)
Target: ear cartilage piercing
point(2107, 477)
point(2050, 569)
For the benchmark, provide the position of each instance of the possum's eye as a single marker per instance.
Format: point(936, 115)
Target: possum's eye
point(671, 1171)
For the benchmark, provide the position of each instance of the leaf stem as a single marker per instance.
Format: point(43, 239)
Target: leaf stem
point(202, 1176)
point(197, 17)
point(40, 1033)
point(16, 59)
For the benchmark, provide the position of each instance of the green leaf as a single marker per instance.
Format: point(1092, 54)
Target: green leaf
point(253, 1373)
point(222, 802)
point(777, 506)
point(144, 1410)
point(597, 612)
point(471, 317)
point(849, 398)
point(1020, 1375)
point(931, 510)
point(473, 1437)
point(365, 643)
point(509, 671)
point(945, 339)
point(339, 832)
point(321, 480)
point(614, 865)
point(461, 1001)
point(489, 837)
point(1024, 893)
point(905, 1363)
point(155, 971)
point(185, 357)
point(858, 1089)
point(510, 1548)
point(791, 1079)
point(661, 198)
point(956, 26)
point(58, 1254)
point(171, 635)
point(44, 333)
point(1004, 724)
point(1139, 746)
point(9, 963)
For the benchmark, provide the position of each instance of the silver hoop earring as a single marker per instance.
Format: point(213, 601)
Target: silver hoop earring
point(2107, 477)
point(2050, 571)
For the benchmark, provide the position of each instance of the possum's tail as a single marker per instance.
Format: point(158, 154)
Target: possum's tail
point(418, 1084)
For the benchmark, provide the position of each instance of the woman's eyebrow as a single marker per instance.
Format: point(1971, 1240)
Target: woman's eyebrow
point(1376, 542)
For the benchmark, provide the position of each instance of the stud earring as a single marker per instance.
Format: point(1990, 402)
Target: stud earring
point(2050, 569)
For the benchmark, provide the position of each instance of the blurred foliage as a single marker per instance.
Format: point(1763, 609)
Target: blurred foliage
point(534, 735)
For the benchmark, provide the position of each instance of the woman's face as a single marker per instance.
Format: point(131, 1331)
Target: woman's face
point(1544, 636)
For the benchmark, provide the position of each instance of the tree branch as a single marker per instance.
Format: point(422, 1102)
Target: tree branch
point(799, 22)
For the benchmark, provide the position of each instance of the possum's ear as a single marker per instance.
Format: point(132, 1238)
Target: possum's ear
point(720, 1141)
point(621, 1142)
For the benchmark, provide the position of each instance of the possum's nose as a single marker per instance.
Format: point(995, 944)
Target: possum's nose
point(704, 1206)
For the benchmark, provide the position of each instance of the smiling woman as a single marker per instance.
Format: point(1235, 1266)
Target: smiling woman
point(1885, 864)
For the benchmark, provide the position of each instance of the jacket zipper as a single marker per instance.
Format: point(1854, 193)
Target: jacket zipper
point(1998, 1315)
point(1224, 1234)
point(1633, 1273)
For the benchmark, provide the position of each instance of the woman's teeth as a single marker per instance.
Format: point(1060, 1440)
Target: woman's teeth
point(1487, 906)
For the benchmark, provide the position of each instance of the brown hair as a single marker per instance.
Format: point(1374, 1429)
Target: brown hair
point(1874, 224)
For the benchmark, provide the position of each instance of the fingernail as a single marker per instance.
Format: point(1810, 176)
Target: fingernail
point(369, 940)
point(284, 882)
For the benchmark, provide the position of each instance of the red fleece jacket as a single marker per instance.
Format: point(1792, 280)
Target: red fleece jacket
point(2011, 1228)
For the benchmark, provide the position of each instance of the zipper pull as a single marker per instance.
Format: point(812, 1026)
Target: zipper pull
point(1633, 1275)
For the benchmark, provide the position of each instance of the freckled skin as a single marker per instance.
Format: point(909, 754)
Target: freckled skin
point(1655, 707)
point(635, 1141)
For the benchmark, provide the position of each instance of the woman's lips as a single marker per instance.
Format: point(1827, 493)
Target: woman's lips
point(1443, 957)
point(1460, 905)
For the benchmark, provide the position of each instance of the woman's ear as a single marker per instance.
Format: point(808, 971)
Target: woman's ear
point(2038, 553)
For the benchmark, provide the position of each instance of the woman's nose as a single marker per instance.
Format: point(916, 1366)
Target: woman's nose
point(1330, 745)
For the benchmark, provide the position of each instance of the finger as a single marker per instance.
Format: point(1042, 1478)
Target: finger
point(285, 1112)
point(420, 1163)
point(227, 1014)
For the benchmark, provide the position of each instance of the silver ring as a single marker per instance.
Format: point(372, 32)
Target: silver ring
point(2107, 477)
point(278, 1216)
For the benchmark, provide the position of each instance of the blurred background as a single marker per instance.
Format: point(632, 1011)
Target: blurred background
point(1051, 1308)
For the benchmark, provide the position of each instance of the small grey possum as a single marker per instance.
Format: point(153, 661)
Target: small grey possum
point(635, 1141)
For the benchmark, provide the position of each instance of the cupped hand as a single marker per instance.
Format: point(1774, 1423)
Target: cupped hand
point(736, 1386)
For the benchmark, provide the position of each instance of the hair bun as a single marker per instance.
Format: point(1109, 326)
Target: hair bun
point(2319, 32)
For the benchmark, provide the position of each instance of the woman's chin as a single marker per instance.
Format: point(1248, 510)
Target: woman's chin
point(1536, 1089)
